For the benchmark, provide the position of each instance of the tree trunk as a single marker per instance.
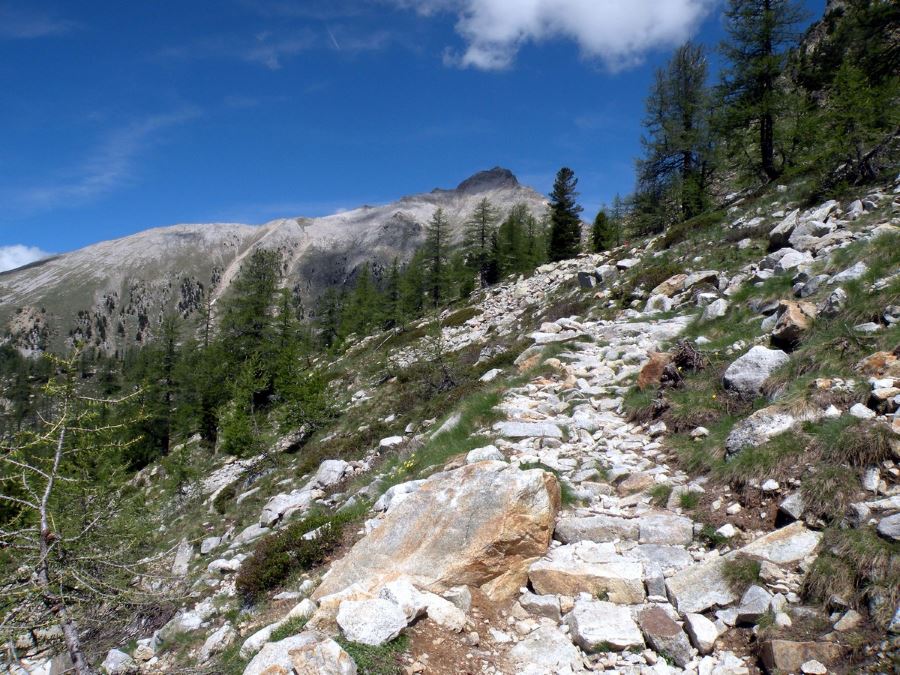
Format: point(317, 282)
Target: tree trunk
point(767, 145)
point(51, 601)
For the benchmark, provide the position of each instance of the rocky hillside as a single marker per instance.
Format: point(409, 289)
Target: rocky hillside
point(114, 293)
point(680, 456)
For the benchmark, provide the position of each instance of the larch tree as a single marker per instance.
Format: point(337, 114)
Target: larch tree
point(677, 143)
point(70, 544)
point(565, 223)
point(480, 229)
point(437, 244)
point(760, 33)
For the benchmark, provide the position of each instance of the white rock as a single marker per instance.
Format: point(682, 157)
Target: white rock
point(595, 623)
point(308, 652)
point(488, 452)
point(702, 631)
point(118, 663)
point(390, 441)
point(860, 411)
point(371, 622)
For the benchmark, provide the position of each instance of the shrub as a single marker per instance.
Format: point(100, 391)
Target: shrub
point(277, 556)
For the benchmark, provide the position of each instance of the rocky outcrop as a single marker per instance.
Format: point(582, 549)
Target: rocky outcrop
point(308, 652)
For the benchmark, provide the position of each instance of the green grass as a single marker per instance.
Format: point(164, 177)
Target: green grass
point(764, 461)
point(741, 572)
point(857, 564)
point(711, 538)
point(829, 490)
point(689, 500)
point(383, 660)
point(289, 628)
point(659, 494)
point(475, 411)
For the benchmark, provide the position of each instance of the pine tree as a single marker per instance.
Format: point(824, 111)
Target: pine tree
point(759, 35)
point(603, 236)
point(510, 242)
point(677, 142)
point(480, 229)
point(437, 242)
point(565, 224)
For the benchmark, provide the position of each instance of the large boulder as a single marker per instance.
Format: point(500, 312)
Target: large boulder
point(670, 286)
point(590, 568)
point(746, 376)
point(786, 656)
point(781, 233)
point(699, 587)
point(283, 505)
point(479, 525)
point(308, 652)
point(666, 528)
point(599, 528)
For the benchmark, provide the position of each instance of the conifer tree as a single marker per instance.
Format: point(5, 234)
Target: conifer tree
point(392, 309)
point(603, 235)
point(413, 285)
point(565, 224)
point(480, 229)
point(247, 310)
point(759, 34)
point(437, 243)
point(677, 141)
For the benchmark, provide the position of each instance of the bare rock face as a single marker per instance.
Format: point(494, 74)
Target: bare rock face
point(479, 525)
point(591, 568)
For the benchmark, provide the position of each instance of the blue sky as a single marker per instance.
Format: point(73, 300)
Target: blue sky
point(119, 116)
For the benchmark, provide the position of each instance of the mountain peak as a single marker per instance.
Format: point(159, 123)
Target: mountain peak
point(498, 177)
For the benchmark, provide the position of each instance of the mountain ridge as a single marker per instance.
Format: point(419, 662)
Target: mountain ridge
point(112, 293)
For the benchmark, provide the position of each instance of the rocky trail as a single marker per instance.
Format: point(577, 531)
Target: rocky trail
point(574, 539)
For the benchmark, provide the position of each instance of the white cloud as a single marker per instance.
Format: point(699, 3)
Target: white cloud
point(616, 32)
point(16, 255)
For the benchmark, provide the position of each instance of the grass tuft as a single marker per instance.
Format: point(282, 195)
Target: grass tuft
point(382, 660)
point(741, 572)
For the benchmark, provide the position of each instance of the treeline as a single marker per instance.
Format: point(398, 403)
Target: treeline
point(829, 111)
point(438, 273)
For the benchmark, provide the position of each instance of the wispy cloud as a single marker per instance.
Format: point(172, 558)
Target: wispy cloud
point(112, 164)
point(615, 32)
point(16, 255)
point(19, 23)
point(274, 48)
